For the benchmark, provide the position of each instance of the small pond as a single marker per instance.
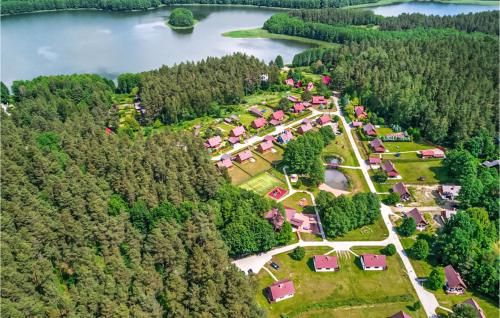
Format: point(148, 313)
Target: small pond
point(336, 179)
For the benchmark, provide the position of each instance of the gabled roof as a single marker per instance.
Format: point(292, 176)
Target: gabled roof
point(281, 288)
point(266, 145)
point(388, 166)
point(286, 135)
point(369, 128)
point(289, 81)
point(400, 314)
point(374, 160)
point(416, 215)
point(244, 155)
point(304, 128)
point(238, 131)
point(310, 86)
point(374, 260)
point(453, 278)
point(214, 141)
point(359, 110)
point(376, 143)
point(400, 188)
point(326, 80)
point(298, 107)
point(234, 140)
point(292, 98)
point(277, 115)
point(259, 122)
point(357, 124)
point(225, 163)
point(269, 138)
point(254, 110)
point(274, 216)
point(474, 304)
point(325, 261)
point(324, 119)
point(318, 100)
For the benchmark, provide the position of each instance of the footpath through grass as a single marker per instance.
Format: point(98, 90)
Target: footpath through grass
point(332, 294)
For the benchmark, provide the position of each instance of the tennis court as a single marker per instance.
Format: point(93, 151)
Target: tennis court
point(263, 183)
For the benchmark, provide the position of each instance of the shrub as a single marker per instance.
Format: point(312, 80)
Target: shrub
point(435, 280)
point(389, 250)
point(298, 253)
point(408, 227)
point(392, 198)
point(380, 177)
point(420, 250)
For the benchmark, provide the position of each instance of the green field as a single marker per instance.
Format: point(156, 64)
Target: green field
point(357, 182)
point(373, 232)
point(263, 183)
point(272, 157)
point(259, 33)
point(238, 176)
point(293, 200)
point(310, 237)
point(341, 147)
point(331, 294)
point(406, 146)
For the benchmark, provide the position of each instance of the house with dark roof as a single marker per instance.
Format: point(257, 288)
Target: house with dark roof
point(448, 214)
point(377, 145)
point(369, 130)
point(265, 146)
point(373, 262)
point(214, 142)
point(475, 305)
point(401, 189)
point(324, 119)
point(244, 156)
point(277, 115)
point(417, 216)
point(400, 314)
point(360, 112)
point(280, 290)
point(259, 123)
point(389, 169)
point(298, 108)
point(454, 283)
point(325, 263)
point(304, 128)
point(319, 100)
point(237, 131)
point(275, 218)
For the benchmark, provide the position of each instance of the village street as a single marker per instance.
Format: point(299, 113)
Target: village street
point(255, 263)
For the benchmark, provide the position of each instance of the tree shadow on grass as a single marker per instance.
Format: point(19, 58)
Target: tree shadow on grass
point(357, 262)
point(310, 264)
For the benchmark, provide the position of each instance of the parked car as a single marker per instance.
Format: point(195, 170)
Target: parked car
point(399, 205)
point(275, 266)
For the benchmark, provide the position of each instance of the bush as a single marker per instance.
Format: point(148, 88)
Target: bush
point(392, 198)
point(298, 253)
point(420, 250)
point(380, 177)
point(435, 280)
point(408, 227)
point(389, 250)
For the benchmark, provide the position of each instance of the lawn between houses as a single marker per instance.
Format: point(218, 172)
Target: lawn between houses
point(334, 293)
point(341, 147)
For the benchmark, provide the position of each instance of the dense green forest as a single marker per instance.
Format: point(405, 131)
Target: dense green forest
point(23, 6)
point(99, 224)
point(486, 22)
point(190, 90)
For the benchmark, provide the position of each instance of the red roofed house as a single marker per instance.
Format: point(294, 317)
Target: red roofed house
point(360, 111)
point(377, 145)
point(237, 131)
point(417, 217)
point(234, 140)
point(316, 100)
point(401, 189)
point(389, 169)
point(325, 119)
point(265, 146)
point(259, 123)
point(304, 128)
point(400, 314)
point(373, 262)
point(325, 263)
point(475, 305)
point(224, 163)
point(281, 290)
point(244, 156)
point(213, 142)
point(357, 124)
point(257, 112)
point(326, 80)
point(269, 138)
point(369, 130)
point(310, 86)
point(277, 220)
point(298, 84)
point(277, 115)
point(454, 283)
point(289, 81)
point(285, 137)
point(374, 160)
point(431, 153)
point(298, 107)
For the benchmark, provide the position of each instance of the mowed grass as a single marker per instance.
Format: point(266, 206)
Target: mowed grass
point(264, 34)
point(357, 182)
point(270, 156)
point(293, 201)
point(263, 183)
point(238, 176)
point(431, 170)
point(341, 147)
point(310, 237)
point(363, 311)
point(373, 232)
point(406, 146)
point(347, 288)
point(256, 167)
point(489, 306)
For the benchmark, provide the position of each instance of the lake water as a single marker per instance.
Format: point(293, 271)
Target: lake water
point(428, 8)
point(336, 179)
point(112, 43)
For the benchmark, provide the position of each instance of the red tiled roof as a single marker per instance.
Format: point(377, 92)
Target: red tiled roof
point(453, 278)
point(326, 80)
point(389, 168)
point(289, 81)
point(238, 131)
point(400, 314)
point(214, 141)
point(281, 289)
point(369, 129)
point(416, 215)
point(400, 188)
point(266, 145)
point(290, 213)
point(277, 115)
point(274, 216)
point(373, 260)
point(244, 155)
point(304, 128)
point(324, 119)
point(259, 123)
point(325, 261)
point(374, 160)
point(298, 107)
point(319, 100)
point(359, 110)
point(286, 135)
point(357, 124)
point(269, 138)
point(474, 304)
point(296, 222)
point(234, 140)
point(274, 122)
point(225, 163)
point(377, 145)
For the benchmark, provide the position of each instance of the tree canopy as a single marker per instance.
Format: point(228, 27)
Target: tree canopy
point(181, 17)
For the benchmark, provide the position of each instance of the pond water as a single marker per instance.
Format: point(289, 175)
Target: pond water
point(109, 43)
point(434, 8)
point(336, 179)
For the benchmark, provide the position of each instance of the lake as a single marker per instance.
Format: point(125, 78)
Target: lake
point(434, 8)
point(110, 43)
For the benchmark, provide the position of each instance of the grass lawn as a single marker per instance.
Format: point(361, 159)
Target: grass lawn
point(421, 267)
point(293, 201)
point(363, 311)
point(406, 146)
point(246, 119)
point(357, 182)
point(264, 34)
point(489, 306)
point(432, 170)
point(270, 156)
point(238, 176)
point(263, 183)
point(310, 237)
point(255, 168)
point(373, 232)
point(341, 147)
point(330, 293)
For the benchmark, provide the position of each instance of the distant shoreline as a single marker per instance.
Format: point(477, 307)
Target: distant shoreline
point(259, 33)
